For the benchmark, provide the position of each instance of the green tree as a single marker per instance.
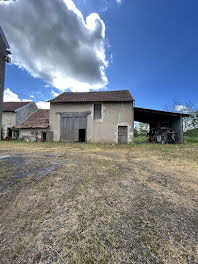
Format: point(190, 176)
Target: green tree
point(185, 108)
point(136, 133)
point(195, 119)
point(143, 129)
point(191, 132)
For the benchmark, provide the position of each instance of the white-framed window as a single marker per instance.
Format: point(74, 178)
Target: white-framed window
point(97, 111)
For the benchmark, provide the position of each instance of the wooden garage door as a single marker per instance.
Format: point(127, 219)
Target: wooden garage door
point(122, 135)
point(69, 127)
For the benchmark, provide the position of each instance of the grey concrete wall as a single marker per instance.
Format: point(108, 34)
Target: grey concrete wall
point(32, 135)
point(2, 76)
point(8, 121)
point(101, 130)
point(24, 112)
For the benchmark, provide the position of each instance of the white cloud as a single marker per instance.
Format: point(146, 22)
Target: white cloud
point(182, 108)
point(54, 93)
point(32, 96)
point(43, 105)
point(119, 2)
point(52, 41)
point(9, 96)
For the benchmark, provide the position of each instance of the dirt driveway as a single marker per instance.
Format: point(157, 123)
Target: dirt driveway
point(63, 203)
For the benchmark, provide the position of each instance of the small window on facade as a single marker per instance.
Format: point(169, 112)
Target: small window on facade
point(97, 111)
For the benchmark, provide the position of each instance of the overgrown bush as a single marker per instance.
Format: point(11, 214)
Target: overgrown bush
point(191, 133)
point(15, 131)
point(2, 133)
point(136, 133)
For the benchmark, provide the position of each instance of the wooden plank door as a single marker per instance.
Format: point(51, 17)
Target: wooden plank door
point(122, 135)
point(67, 129)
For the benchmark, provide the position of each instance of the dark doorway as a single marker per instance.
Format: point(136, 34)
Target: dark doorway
point(122, 135)
point(82, 135)
point(44, 136)
point(9, 132)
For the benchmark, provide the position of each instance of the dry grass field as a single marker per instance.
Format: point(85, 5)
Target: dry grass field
point(84, 203)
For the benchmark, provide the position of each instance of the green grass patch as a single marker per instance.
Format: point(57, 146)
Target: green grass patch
point(191, 139)
point(140, 139)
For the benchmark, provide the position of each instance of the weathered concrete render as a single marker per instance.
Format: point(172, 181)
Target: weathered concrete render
point(104, 130)
point(32, 135)
point(10, 119)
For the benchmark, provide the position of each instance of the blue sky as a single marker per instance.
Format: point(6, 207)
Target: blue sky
point(151, 48)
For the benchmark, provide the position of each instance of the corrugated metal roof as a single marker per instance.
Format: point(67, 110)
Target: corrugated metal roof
point(149, 115)
point(161, 112)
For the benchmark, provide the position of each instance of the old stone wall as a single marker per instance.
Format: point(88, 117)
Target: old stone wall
point(32, 135)
point(104, 130)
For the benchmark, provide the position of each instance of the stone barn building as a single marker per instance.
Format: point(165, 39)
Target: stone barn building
point(14, 113)
point(101, 117)
point(35, 127)
point(106, 117)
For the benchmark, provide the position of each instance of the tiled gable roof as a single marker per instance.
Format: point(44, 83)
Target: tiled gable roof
point(13, 106)
point(39, 119)
point(105, 96)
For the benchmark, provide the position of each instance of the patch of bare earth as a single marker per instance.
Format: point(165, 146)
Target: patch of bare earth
point(64, 203)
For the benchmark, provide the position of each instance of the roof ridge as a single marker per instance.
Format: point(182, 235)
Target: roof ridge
point(93, 96)
point(14, 106)
point(99, 91)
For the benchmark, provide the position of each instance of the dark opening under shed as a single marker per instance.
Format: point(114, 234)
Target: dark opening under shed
point(157, 119)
